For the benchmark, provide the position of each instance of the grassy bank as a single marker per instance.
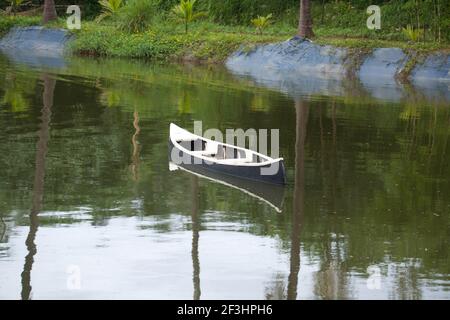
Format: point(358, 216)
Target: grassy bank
point(209, 41)
point(165, 38)
point(8, 22)
point(205, 41)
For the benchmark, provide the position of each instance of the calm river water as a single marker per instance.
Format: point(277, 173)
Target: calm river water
point(89, 208)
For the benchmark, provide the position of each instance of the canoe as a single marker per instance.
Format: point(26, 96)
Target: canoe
point(186, 148)
point(271, 194)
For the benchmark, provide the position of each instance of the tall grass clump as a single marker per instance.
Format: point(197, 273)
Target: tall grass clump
point(411, 33)
point(136, 16)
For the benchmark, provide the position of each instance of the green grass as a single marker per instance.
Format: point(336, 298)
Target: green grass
point(209, 41)
point(203, 42)
point(8, 22)
point(376, 43)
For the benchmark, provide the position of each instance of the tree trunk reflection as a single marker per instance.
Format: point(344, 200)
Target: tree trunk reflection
point(38, 186)
point(302, 112)
point(195, 237)
point(136, 147)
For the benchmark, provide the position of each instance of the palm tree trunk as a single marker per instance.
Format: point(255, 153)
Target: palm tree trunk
point(305, 23)
point(49, 11)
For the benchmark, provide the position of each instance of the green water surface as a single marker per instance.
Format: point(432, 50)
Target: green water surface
point(89, 208)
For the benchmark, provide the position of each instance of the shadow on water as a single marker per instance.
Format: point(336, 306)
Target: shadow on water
point(38, 186)
point(270, 194)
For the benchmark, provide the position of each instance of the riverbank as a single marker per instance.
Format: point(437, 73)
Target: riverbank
point(206, 41)
point(201, 44)
point(240, 49)
point(209, 42)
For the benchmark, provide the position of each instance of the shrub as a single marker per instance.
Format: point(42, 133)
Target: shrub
point(261, 22)
point(8, 22)
point(136, 16)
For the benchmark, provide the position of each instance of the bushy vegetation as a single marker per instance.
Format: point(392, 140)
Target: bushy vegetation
point(8, 22)
point(203, 42)
point(331, 17)
point(136, 16)
point(261, 22)
point(109, 8)
point(346, 19)
point(411, 33)
point(186, 13)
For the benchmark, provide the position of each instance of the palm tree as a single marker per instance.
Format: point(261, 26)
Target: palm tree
point(305, 23)
point(185, 11)
point(49, 11)
point(261, 22)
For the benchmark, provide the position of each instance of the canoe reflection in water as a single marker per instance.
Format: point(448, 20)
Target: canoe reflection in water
point(270, 194)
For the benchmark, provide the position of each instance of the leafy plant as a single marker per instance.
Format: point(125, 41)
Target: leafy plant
point(109, 8)
point(136, 16)
point(261, 22)
point(185, 11)
point(411, 33)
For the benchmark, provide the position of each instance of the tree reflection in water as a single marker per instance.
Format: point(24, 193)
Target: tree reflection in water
point(302, 112)
point(136, 147)
point(38, 186)
point(195, 236)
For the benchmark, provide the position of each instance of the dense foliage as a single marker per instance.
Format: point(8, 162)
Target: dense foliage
point(136, 16)
point(336, 17)
point(164, 42)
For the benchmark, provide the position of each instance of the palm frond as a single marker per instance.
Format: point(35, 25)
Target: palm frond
point(109, 8)
point(185, 12)
point(261, 22)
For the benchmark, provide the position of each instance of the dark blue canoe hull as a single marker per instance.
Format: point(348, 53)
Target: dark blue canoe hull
point(253, 173)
